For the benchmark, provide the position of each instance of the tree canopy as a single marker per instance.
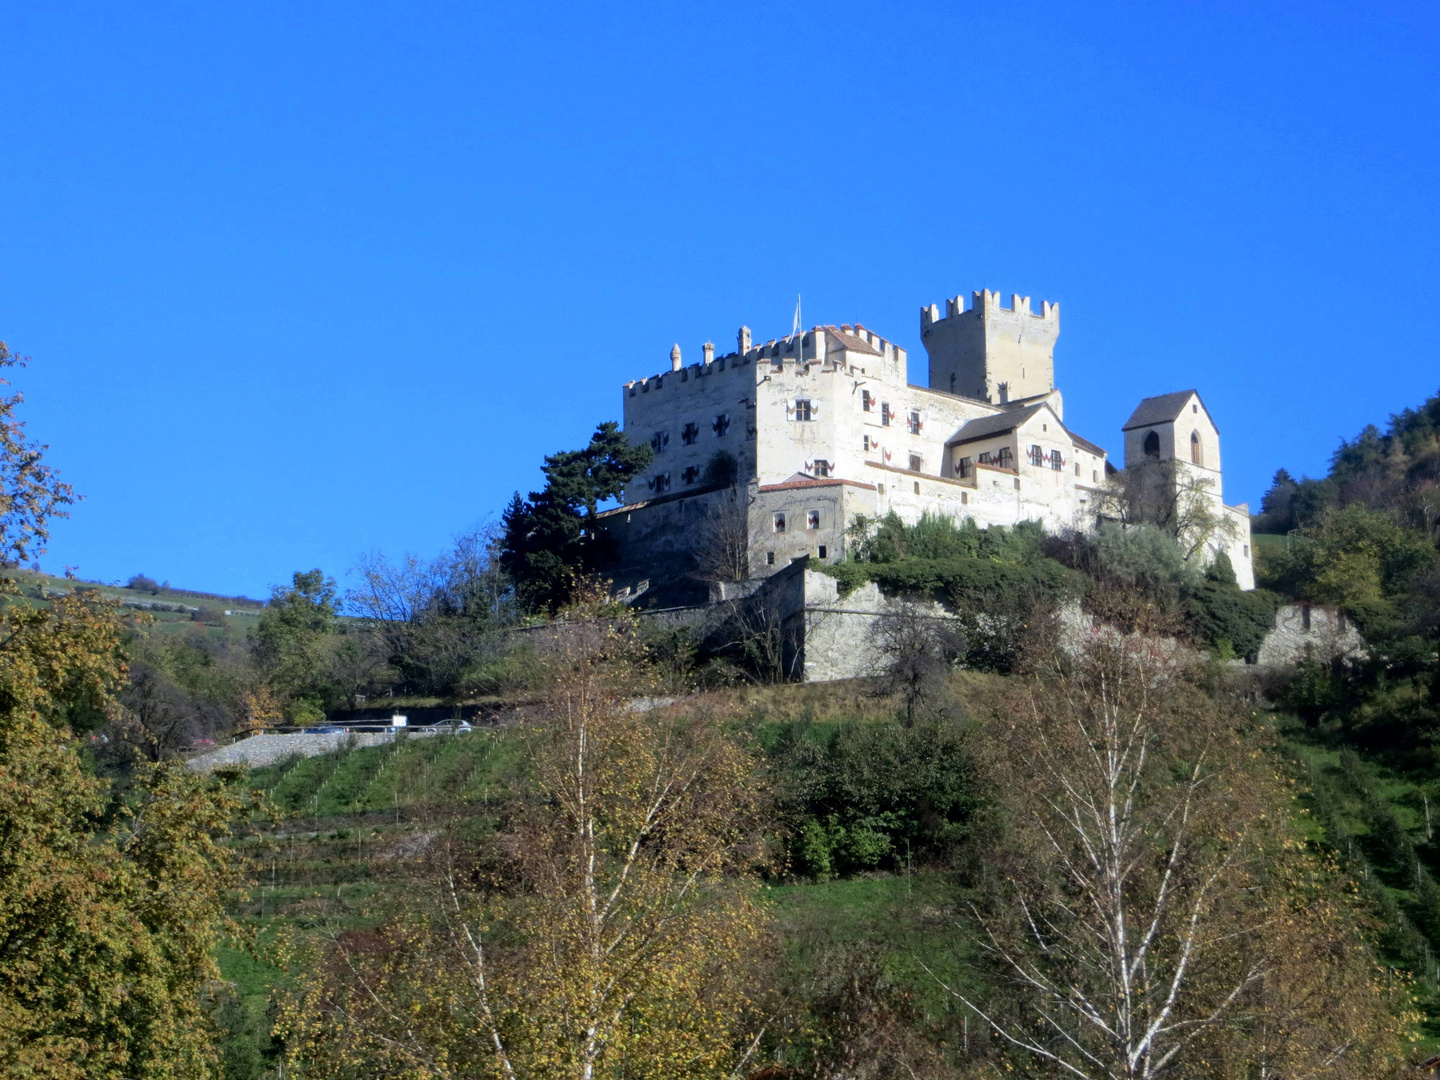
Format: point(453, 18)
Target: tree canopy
point(551, 540)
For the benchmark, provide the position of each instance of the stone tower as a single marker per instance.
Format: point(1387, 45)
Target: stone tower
point(991, 353)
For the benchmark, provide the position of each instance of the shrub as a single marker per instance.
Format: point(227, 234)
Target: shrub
point(873, 795)
point(1141, 556)
point(141, 583)
point(1215, 612)
point(957, 580)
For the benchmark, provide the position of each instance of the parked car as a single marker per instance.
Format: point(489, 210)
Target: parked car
point(324, 729)
point(452, 727)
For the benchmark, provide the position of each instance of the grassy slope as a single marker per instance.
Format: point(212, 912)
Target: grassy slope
point(343, 815)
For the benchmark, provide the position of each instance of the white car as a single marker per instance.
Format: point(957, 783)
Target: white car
point(452, 727)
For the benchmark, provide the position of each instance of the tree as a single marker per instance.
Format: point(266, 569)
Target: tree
point(1173, 496)
point(604, 929)
point(31, 492)
point(1156, 913)
point(723, 549)
point(110, 909)
point(294, 643)
point(552, 540)
point(918, 650)
point(109, 916)
point(438, 619)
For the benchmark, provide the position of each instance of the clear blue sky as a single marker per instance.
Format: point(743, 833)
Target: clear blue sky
point(301, 281)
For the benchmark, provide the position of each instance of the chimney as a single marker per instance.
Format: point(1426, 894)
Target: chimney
point(675, 357)
point(744, 339)
point(709, 350)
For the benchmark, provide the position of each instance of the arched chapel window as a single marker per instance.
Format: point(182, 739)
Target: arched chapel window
point(1197, 457)
point(1152, 444)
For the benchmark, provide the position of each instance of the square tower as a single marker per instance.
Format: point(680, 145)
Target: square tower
point(991, 353)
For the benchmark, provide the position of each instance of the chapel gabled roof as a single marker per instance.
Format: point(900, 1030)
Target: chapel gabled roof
point(1163, 409)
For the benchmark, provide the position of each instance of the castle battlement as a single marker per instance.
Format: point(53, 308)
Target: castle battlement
point(986, 303)
point(818, 345)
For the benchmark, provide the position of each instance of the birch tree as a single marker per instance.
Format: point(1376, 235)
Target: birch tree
point(605, 929)
point(1145, 924)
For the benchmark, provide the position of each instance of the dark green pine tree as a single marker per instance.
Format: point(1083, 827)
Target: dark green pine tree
point(551, 539)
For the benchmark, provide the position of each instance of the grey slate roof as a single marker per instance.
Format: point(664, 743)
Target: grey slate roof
point(986, 426)
point(1161, 409)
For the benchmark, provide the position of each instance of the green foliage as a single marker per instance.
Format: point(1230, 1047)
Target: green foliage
point(1397, 471)
point(440, 621)
point(1143, 557)
point(869, 796)
point(957, 564)
point(1217, 612)
point(551, 540)
point(721, 470)
point(1355, 557)
point(936, 537)
point(107, 934)
point(294, 644)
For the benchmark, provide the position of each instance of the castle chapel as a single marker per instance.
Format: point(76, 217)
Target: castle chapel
point(826, 425)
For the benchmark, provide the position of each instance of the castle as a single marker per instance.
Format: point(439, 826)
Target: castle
point(799, 436)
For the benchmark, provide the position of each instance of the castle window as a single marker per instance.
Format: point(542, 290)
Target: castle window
point(917, 487)
point(659, 483)
point(915, 463)
point(690, 474)
point(779, 522)
point(1037, 455)
point(812, 519)
point(964, 497)
point(964, 467)
point(914, 423)
point(721, 425)
point(1094, 476)
point(987, 458)
point(1197, 455)
point(802, 409)
point(822, 467)
point(769, 558)
point(866, 401)
point(689, 433)
point(884, 414)
point(867, 444)
point(1077, 468)
point(1151, 445)
point(1005, 458)
point(659, 441)
point(821, 549)
point(1057, 460)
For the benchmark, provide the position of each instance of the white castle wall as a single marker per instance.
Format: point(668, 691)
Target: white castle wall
point(829, 374)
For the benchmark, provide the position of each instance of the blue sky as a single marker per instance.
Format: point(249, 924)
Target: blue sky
point(304, 281)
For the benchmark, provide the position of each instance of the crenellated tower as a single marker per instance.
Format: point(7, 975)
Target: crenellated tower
point(990, 352)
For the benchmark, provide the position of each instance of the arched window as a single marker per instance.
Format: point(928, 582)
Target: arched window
point(1197, 456)
point(1152, 444)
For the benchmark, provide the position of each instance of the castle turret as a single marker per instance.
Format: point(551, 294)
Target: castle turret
point(991, 353)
